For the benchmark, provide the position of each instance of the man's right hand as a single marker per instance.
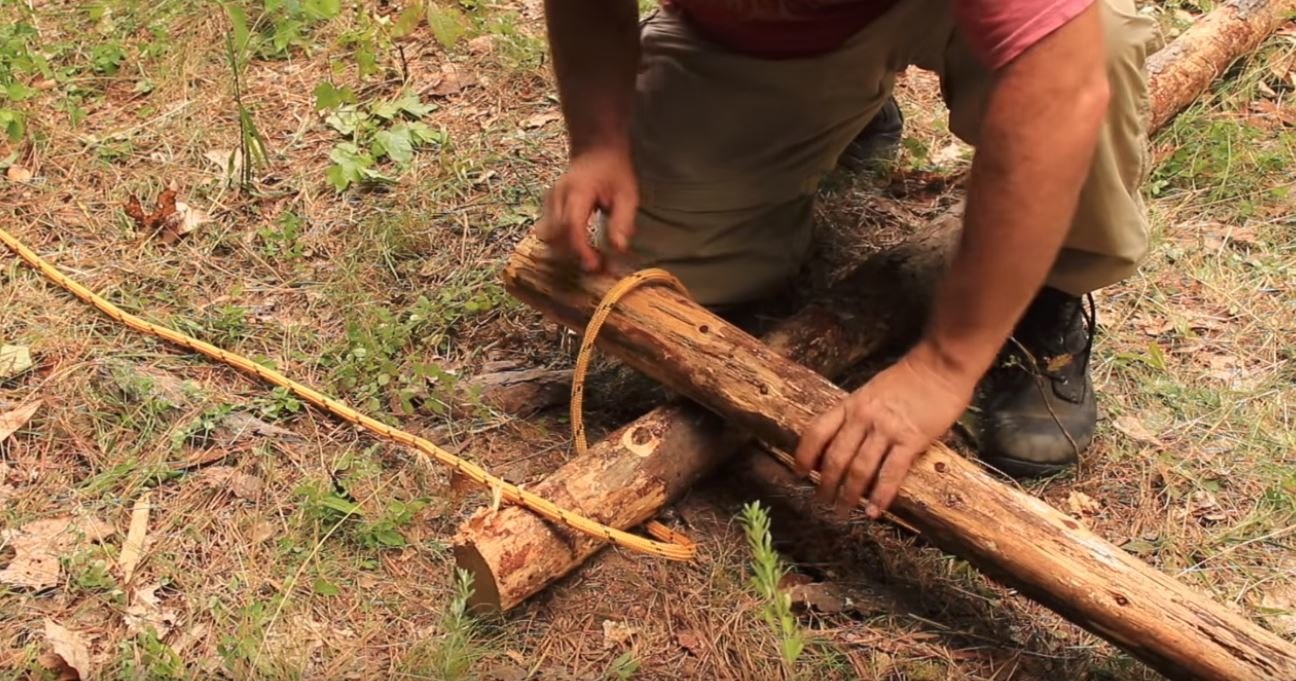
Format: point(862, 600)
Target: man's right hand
point(597, 178)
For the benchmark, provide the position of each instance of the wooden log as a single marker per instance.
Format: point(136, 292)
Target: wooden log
point(492, 545)
point(1008, 534)
point(1184, 69)
point(628, 477)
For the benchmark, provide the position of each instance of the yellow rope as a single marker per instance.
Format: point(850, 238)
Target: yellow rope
point(675, 548)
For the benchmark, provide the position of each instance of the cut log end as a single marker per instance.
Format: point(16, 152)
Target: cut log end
point(485, 598)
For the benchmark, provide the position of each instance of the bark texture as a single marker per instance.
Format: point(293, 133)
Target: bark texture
point(1182, 70)
point(1008, 534)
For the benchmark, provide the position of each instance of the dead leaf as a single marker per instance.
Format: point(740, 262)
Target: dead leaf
point(228, 161)
point(71, 650)
point(1280, 606)
point(481, 45)
point(183, 221)
point(617, 633)
point(1135, 430)
point(690, 641)
point(14, 359)
point(11, 422)
point(151, 222)
point(825, 597)
point(39, 544)
point(1056, 364)
point(17, 173)
point(238, 483)
point(451, 80)
point(146, 611)
point(540, 120)
point(133, 547)
point(239, 426)
point(1082, 506)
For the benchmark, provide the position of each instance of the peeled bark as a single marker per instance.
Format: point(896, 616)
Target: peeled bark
point(1010, 535)
point(1181, 71)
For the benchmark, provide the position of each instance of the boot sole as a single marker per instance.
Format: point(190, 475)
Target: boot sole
point(1017, 468)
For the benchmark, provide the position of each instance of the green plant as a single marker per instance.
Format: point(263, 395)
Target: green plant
point(279, 404)
point(147, 657)
point(451, 655)
point(388, 129)
point(624, 667)
point(252, 145)
point(768, 571)
point(201, 430)
point(385, 531)
point(283, 239)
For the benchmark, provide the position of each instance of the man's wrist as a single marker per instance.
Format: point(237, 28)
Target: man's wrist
point(961, 363)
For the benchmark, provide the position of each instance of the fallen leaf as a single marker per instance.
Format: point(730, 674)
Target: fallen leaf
point(617, 633)
point(540, 120)
point(1082, 505)
point(1280, 606)
point(17, 173)
point(481, 45)
point(14, 359)
point(824, 597)
point(183, 221)
point(190, 637)
point(451, 80)
point(1135, 430)
point(151, 222)
point(11, 422)
point(238, 483)
point(38, 545)
point(228, 161)
point(146, 612)
point(239, 426)
point(133, 547)
point(690, 641)
point(71, 649)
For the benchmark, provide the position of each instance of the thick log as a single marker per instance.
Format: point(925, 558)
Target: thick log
point(628, 477)
point(513, 554)
point(1008, 534)
point(1184, 69)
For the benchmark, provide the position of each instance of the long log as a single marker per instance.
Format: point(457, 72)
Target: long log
point(1184, 69)
point(629, 476)
point(1008, 534)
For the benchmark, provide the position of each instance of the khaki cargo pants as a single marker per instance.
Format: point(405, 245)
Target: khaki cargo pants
point(729, 149)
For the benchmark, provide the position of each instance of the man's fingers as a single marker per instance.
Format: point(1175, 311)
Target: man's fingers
point(894, 470)
point(841, 451)
point(863, 469)
point(621, 221)
point(576, 211)
point(816, 437)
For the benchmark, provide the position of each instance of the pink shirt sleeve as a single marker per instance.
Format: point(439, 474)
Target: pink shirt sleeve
point(1000, 30)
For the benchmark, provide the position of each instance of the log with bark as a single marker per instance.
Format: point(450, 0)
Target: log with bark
point(514, 554)
point(628, 477)
point(1007, 533)
point(1184, 69)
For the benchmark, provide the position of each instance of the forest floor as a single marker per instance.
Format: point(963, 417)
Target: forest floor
point(405, 152)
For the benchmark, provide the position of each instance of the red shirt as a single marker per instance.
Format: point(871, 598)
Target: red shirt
point(998, 30)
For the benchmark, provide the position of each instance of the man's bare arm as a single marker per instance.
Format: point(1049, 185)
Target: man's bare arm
point(1037, 140)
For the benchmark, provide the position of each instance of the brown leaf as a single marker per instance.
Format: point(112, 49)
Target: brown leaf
point(1203, 506)
point(540, 120)
point(1081, 505)
point(71, 650)
point(452, 80)
point(481, 45)
point(238, 483)
point(146, 611)
point(690, 641)
point(1135, 430)
point(824, 597)
point(11, 422)
point(39, 544)
point(150, 222)
point(1280, 606)
point(184, 220)
point(133, 547)
point(17, 173)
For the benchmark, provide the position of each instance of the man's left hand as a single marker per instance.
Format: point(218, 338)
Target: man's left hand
point(869, 441)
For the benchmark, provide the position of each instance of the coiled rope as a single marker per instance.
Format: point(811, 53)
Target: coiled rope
point(672, 545)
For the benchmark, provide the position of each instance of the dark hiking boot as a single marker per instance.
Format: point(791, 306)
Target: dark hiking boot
point(878, 142)
point(1038, 411)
